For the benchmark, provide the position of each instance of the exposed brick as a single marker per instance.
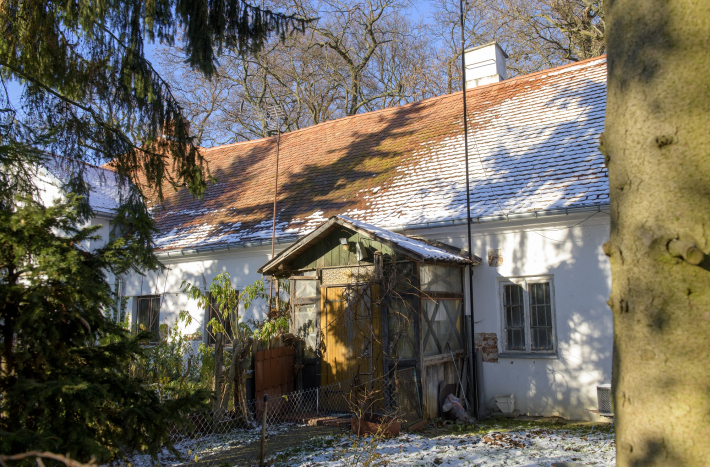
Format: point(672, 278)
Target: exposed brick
point(487, 344)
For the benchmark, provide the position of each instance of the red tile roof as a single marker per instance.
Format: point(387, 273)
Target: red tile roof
point(532, 147)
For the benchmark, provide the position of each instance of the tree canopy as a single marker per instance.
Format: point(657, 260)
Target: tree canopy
point(66, 384)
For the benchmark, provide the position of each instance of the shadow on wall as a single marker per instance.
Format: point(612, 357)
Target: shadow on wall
point(168, 282)
point(584, 325)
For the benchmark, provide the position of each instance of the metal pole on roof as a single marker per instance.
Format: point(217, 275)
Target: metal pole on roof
point(474, 379)
point(272, 116)
point(275, 117)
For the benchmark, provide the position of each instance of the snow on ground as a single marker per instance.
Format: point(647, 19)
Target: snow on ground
point(194, 449)
point(521, 447)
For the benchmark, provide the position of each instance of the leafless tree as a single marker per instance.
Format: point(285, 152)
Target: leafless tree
point(544, 33)
point(365, 55)
point(359, 56)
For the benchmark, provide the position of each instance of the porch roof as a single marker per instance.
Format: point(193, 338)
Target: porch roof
point(417, 249)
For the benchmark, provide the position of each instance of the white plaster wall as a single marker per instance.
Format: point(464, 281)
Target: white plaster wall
point(49, 189)
point(556, 246)
point(564, 385)
point(198, 270)
point(104, 230)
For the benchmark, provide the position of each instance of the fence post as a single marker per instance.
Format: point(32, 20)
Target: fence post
point(298, 363)
point(263, 432)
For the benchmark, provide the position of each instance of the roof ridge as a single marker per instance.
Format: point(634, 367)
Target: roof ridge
point(427, 101)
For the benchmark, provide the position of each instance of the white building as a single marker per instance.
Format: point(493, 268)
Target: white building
point(104, 198)
point(539, 208)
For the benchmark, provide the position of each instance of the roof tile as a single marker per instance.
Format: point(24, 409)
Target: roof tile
point(532, 146)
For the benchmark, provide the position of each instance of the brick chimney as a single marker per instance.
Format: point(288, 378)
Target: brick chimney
point(485, 64)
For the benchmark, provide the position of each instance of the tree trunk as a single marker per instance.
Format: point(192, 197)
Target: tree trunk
point(657, 147)
point(218, 380)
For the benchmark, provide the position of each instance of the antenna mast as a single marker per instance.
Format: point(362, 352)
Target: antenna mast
point(273, 116)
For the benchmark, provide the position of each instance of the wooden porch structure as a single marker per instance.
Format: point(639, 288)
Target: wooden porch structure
point(366, 302)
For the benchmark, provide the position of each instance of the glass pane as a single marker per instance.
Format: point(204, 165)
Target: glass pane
point(402, 276)
point(441, 279)
point(514, 313)
point(540, 316)
point(306, 289)
point(155, 317)
point(431, 346)
point(148, 315)
point(400, 331)
point(444, 319)
point(516, 339)
point(306, 324)
point(143, 319)
point(451, 329)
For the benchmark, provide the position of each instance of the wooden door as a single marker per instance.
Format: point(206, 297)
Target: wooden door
point(334, 336)
point(351, 333)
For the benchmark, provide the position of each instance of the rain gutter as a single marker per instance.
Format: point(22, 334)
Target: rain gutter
point(398, 228)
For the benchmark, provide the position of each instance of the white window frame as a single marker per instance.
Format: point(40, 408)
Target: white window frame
point(525, 281)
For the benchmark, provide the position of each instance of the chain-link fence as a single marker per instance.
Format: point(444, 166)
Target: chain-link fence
point(233, 437)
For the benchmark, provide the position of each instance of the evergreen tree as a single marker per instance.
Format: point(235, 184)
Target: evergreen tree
point(89, 95)
point(88, 84)
point(65, 384)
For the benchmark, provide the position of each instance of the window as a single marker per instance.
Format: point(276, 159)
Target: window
point(435, 278)
point(528, 315)
point(305, 302)
point(148, 315)
point(442, 308)
point(442, 330)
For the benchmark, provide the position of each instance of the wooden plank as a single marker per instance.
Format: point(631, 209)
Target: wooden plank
point(357, 335)
point(446, 357)
point(320, 248)
point(377, 353)
point(418, 322)
point(324, 334)
point(311, 258)
point(344, 253)
point(431, 391)
point(259, 372)
point(330, 246)
point(218, 369)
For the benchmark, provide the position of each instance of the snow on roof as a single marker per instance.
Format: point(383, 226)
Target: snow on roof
point(533, 146)
point(104, 195)
point(426, 251)
point(417, 249)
